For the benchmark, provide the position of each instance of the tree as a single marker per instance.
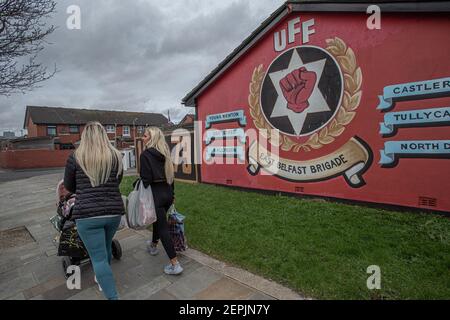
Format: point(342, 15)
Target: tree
point(22, 37)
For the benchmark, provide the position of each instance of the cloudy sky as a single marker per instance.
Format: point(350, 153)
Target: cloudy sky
point(136, 55)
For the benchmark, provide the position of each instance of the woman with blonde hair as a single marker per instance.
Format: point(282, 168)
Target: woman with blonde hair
point(157, 171)
point(94, 173)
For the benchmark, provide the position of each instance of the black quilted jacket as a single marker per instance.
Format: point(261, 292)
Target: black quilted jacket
point(92, 201)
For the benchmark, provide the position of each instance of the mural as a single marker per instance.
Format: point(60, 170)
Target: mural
point(182, 147)
point(393, 150)
point(301, 96)
point(343, 111)
point(225, 151)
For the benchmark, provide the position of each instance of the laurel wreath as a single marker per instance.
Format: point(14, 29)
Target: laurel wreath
point(350, 102)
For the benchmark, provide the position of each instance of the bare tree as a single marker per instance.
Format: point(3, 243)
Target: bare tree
point(22, 37)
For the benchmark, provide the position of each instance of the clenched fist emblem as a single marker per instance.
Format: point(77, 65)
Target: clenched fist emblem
point(297, 88)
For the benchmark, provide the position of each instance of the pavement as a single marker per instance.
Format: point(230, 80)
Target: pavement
point(11, 175)
point(31, 270)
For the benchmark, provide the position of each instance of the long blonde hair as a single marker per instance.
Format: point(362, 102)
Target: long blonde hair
point(158, 142)
point(96, 155)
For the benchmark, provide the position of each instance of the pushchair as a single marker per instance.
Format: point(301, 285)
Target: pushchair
point(70, 246)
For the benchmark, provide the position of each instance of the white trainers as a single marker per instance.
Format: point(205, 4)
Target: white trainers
point(152, 249)
point(99, 288)
point(173, 269)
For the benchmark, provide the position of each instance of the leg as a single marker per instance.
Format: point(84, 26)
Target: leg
point(92, 233)
point(155, 233)
point(110, 231)
point(163, 231)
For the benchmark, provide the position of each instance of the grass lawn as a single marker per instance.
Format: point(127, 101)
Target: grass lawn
point(320, 249)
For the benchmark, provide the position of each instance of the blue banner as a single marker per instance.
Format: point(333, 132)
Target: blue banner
point(413, 90)
point(225, 134)
point(225, 151)
point(422, 148)
point(237, 115)
point(415, 117)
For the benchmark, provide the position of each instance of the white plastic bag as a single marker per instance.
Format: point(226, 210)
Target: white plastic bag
point(123, 221)
point(141, 207)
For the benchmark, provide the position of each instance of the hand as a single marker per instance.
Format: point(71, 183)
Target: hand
point(297, 87)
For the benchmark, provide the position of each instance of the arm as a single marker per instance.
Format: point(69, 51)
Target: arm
point(69, 175)
point(146, 170)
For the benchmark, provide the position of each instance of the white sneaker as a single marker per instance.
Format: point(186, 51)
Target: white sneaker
point(99, 288)
point(173, 269)
point(153, 250)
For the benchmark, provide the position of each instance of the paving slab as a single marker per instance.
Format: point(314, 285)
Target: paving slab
point(225, 289)
point(16, 285)
point(146, 291)
point(88, 294)
point(162, 295)
point(187, 287)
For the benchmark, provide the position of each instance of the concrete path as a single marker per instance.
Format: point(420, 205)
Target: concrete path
point(12, 175)
point(30, 269)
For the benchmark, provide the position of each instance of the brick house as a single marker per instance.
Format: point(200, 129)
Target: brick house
point(187, 120)
point(66, 125)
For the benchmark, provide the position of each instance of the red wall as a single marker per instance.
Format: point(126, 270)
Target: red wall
point(28, 159)
point(31, 128)
point(408, 48)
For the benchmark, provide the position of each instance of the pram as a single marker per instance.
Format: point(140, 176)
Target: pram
point(70, 246)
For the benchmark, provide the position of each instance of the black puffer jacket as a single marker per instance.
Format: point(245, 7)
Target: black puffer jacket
point(152, 173)
point(92, 201)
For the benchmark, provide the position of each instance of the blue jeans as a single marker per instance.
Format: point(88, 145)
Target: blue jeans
point(97, 235)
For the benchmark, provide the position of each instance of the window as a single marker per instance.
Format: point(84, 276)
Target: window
point(110, 128)
point(140, 130)
point(74, 129)
point(126, 131)
point(51, 130)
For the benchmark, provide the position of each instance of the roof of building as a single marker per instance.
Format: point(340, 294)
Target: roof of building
point(189, 118)
point(404, 6)
point(57, 115)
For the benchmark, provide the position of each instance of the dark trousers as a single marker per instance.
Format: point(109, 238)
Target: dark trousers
point(161, 231)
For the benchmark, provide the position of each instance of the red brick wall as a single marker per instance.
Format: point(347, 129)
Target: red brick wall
point(41, 131)
point(30, 159)
point(119, 130)
point(62, 132)
point(31, 128)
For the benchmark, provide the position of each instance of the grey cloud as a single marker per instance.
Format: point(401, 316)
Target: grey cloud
point(140, 55)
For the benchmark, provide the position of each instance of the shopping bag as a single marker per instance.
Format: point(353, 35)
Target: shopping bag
point(133, 206)
point(141, 207)
point(70, 243)
point(176, 229)
point(123, 221)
